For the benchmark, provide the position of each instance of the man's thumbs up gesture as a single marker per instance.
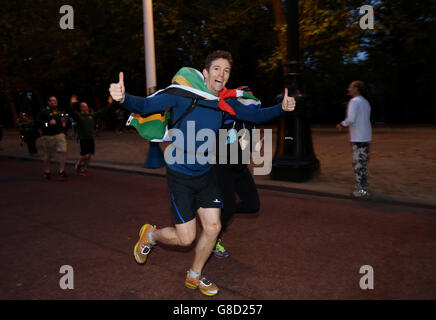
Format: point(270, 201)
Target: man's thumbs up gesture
point(288, 103)
point(117, 90)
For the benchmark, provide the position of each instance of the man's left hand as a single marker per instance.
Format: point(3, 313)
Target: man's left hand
point(288, 103)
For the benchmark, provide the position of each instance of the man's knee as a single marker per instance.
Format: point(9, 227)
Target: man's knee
point(213, 228)
point(186, 240)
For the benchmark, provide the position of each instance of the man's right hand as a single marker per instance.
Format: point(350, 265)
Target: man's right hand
point(74, 99)
point(117, 90)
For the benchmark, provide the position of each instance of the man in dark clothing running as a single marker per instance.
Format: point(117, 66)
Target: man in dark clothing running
point(85, 124)
point(234, 178)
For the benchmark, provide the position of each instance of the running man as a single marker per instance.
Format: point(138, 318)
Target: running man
point(193, 187)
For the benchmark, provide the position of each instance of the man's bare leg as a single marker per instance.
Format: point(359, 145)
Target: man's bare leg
point(184, 235)
point(86, 160)
point(47, 163)
point(210, 220)
point(62, 159)
point(180, 235)
point(81, 160)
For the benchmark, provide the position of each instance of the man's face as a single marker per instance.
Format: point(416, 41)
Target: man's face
point(52, 102)
point(352, 90)
point(217, 75)
point(84, 107)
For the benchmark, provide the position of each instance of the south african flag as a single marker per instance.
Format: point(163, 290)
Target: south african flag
point(187, 82)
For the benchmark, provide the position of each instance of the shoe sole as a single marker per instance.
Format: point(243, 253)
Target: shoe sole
point(141, 233)
point(193, 287)
point(218, 256)
point(367, 197)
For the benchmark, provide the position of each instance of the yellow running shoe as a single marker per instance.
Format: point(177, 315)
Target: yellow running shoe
point(144, 245)
point(205, 286)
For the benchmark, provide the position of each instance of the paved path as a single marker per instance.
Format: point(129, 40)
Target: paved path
point(402, 159)
point(297, 247)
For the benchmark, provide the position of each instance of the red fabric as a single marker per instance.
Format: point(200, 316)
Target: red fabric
point(222, 104)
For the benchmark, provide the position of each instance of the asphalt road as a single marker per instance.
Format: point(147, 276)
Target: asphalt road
point(297, 247)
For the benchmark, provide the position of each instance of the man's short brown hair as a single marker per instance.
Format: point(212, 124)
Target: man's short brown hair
point(218, 54)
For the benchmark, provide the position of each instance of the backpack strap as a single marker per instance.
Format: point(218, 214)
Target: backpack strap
point(191, 108)
point(195, 103)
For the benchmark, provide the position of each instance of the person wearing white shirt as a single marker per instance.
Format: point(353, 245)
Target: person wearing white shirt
point(359, 127)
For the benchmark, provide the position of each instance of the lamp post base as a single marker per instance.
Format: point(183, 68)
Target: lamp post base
point(296, 170)
point(155, 157)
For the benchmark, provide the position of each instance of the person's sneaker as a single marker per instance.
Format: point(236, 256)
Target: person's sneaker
point(78, 169)
point(85, 173)
point(144, 245)
point(205, 286)
point(361, 194)
point(219, 251)
point(47, 175)
point(62, 175)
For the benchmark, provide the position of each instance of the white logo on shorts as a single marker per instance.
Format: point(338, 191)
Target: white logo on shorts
point(216, 201)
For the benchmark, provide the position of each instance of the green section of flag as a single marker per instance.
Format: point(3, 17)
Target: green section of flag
point(152, 127)
point(192, 78)
point(247, 95)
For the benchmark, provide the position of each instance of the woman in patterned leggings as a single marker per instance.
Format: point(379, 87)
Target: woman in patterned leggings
point(359, 126)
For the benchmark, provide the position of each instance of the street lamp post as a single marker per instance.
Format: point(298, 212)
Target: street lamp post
point(155, 158)
point(150, 58)
point(294, 159)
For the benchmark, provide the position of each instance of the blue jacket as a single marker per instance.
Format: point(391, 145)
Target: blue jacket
point(204, 118)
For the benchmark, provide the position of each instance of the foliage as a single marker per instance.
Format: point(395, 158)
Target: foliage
point(37, 55)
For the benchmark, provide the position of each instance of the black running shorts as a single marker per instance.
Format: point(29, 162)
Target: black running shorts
point(87, 146)
point(189, 193)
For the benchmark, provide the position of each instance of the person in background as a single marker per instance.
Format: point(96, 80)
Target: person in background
point(28, 132)
point(85, 121)
point(53, 136)
point(359, 127)
point(236, 179)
